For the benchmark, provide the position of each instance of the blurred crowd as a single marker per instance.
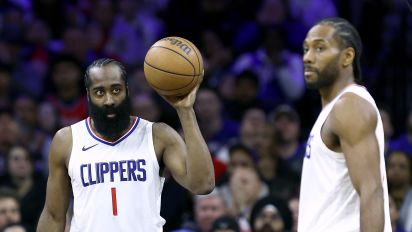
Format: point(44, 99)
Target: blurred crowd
point(252, 108)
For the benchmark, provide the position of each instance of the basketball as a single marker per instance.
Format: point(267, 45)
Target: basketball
point(173, 66)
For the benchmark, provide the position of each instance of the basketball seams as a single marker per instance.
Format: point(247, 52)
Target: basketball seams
point(152, 66)
point(194, 70)
point(167, 90)
point(162, 58)
point(185, 86)
point(195, 50)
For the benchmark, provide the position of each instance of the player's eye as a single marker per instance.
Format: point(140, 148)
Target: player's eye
point(116, 90)
point(99, 92)
point(305, 50)
point(319, 48)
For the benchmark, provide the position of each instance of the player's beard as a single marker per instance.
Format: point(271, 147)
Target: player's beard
point(111, 128)
point(327, 76)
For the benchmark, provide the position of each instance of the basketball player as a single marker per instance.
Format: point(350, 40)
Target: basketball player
point(343, 184)
point(112, 161)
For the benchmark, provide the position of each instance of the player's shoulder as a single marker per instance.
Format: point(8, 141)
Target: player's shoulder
point(352, 104)
point(61, 146)
point(63, 134)
point(162, 130)
point(352, 110)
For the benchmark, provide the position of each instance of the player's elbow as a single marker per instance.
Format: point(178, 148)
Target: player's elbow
point(205, 188)
point(204, 191)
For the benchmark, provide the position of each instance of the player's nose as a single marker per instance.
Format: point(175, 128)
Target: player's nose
point(108, 100)
point(308, 57)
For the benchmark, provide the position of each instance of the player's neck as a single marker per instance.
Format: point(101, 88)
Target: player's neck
point(330, 92)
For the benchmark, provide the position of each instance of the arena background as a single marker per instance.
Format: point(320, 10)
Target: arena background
point(45, 46)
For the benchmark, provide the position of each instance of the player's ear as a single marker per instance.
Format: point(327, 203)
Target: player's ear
point(88, 94)
point(348, 56)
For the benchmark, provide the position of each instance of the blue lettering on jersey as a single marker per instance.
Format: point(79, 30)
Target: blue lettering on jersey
point(131, 167)
point(308, 147)
point(140, 164)
point(82, 175)
point(123, 170)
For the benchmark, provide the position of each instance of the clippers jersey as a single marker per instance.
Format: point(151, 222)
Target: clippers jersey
point(116, 185)
point(328, 200)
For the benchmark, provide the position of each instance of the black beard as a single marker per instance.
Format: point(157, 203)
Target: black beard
point(110, 128)
point(327, 77)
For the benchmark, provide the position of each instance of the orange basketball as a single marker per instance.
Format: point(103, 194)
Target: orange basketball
point(173, 66)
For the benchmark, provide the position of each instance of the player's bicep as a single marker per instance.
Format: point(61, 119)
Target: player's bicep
point(58, 183)
point(355, 122)
point(173, 151)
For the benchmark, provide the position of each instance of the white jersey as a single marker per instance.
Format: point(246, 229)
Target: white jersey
point(116, 185)
point(328, 200)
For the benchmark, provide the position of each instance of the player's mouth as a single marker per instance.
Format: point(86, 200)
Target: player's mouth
point(309, 71)
point(111, 115)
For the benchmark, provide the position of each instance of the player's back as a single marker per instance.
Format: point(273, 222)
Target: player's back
point(328, 200)
point(116, 185)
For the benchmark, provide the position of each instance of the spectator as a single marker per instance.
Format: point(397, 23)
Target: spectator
point(276, 174)
point(405, 213)
point(240, 156)
point(217, 58)
point(134, 30)
point(207, 208)
point(225, 224)
point(293, 204)
point(9, 134)
point(215, 128)
point(48, 123)
point(244, 188)
point(280, 72)
point(394, 215)
point(65, 93)
point(30, 188)
point(404, 142)
point(252, 132)
point(245, 94)
point(270, 214)
point(25, 112)
point(14, 227)
point(146, 106)
point(399, 174)
point(6, 95)
point(287, 146)
point(9, 208)
point(387, 126)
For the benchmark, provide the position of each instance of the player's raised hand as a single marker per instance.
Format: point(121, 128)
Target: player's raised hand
point(186, 101)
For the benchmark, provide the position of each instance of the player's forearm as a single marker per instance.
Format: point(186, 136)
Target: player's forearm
point(372, 216)
point(200, 172)
point(48, 223)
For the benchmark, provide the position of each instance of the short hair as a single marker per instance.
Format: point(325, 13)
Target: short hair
point(247, 75)
point(67, 58)
point(241, 147)
point(101, 63)
point(347, 36)
point(7, 193)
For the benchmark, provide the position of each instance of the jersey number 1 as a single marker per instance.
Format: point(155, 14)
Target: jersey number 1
point(114, 202)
